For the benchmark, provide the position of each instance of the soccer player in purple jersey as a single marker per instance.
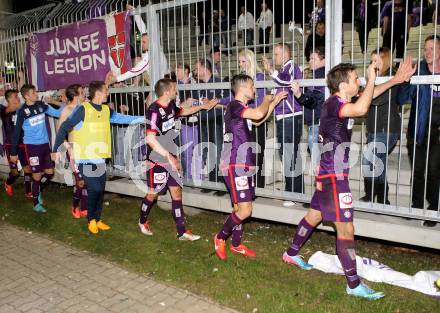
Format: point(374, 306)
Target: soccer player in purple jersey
point(238, 160)
point(163, 165)
point(332, 200)
point(9, 117)
point(75, 96)
point(31, 122)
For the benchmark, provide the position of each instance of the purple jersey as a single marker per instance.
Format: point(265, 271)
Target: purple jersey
point(161, 120)
point(285, 76)
point(8, 123)
point(335, 135)
point(237, 147)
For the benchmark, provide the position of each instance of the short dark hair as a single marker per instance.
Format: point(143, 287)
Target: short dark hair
point(320, 51)
point(185, 66)
point(72, 91)
point(26, 88)
point(381, 50)
point(9, 93)
point(162, 85)
point(215, 49)
point(239, 80)
point(205, 63)
point(94, 86)
point(432, 37)
point(319, 23)
point(339, 74)
point(171, 75)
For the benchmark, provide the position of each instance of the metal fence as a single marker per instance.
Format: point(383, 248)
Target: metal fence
point(189, 32)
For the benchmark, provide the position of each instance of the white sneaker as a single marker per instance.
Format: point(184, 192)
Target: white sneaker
point(189, 236)
point(145, 229)
point(288, 204)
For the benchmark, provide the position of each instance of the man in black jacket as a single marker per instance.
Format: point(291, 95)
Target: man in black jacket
point(316, 39)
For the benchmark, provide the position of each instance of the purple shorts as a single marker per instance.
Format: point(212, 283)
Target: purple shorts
point(241, 187)
point(39, 157)
point(159, 178)
point(21, 156)
point(333, 198)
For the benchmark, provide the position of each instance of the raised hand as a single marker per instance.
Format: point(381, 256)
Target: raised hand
point(110, 78)
point(13, 158)
point(279, 96)
point(371, 71)
point(124, 108)
point(296, 89)
point(187, 103)
point(266, 65)
point(210, 104)
point(405, 71)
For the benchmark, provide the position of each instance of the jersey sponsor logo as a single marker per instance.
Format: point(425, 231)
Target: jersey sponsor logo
point(350, 123)
point(160, 178)
point(345, 200)
point(27, 111)
point(241, 183)
point(153, 122)
point(302, 231)
point(178, 212)
point(168, 125)
point(36, 120)
point(237, 227)
point(144, 207)
point(34, 161)
point(14, 119)
point(352, 254)
point(162, 112)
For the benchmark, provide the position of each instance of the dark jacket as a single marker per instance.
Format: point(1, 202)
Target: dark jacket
point(409, 92)
point(222, 94)
point(312, 99)
point(377, 118)
point(319, 42)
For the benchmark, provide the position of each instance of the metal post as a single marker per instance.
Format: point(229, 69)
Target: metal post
point(154, 42)
point(333, 38)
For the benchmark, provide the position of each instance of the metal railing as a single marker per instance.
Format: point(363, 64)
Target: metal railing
point(178, 39)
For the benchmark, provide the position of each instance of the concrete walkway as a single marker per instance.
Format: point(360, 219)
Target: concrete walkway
point(41, 275)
